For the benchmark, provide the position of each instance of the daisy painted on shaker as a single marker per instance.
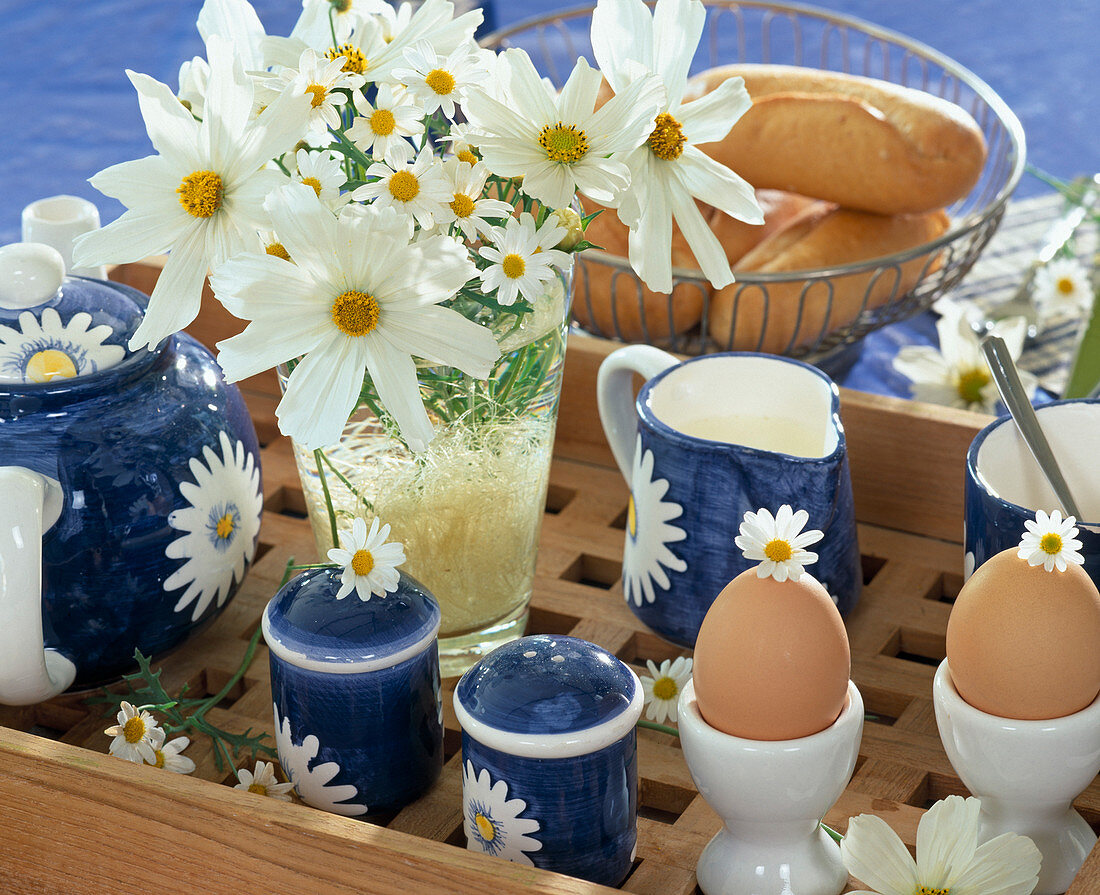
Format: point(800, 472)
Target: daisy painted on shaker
point(1050, 541)
point(45, 349)
point(778, 542)
point(493, 822)
point(370, 564)
point(649, 532)
point(312, 779)
point(521, 259)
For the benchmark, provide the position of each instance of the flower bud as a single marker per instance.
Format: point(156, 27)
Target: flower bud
point(574, 227)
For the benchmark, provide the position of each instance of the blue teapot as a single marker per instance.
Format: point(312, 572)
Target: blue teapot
point(130, 493)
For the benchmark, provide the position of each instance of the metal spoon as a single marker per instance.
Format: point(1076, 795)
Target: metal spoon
point(1015, 399)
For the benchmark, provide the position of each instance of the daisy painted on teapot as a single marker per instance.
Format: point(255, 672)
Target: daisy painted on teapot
point(130, 482)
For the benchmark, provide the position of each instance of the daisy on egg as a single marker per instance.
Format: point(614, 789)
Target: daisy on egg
point(1050, 541)
point(778, 542)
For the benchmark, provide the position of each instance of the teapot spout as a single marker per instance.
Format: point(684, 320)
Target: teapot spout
point(29, 672)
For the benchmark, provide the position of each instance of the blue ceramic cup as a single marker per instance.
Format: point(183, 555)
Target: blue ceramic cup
point(706, 441)
point(1004, 486)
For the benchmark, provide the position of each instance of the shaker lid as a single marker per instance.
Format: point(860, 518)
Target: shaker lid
point(54, 327)
point(548, 696)
point(305, 625)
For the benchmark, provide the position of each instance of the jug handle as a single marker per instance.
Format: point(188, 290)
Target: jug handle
point(29, 672)
point(615, 396)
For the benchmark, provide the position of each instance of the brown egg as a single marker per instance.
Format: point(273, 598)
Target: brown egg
point(772, 659)
point(1024, 643)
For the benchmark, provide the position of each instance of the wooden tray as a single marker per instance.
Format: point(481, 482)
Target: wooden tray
point(75, 820)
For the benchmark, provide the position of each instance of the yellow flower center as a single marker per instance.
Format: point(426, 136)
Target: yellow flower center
point(258, 788)
point(225, 526)
point(45, 366)
point(667, 140)
point(354, 60)
point(200, 193)
point(278, 250)
point(514, 266)
point(442, 82)
point(319, 94)
point(1051, 543)
point(971, 383)
point(563, 143)
point(159, 763)
point(340, 6)
point(1065, 285)
point(313, 182)
point(467, 155)
point(382, 122)
point(664, 688)
point(134, 730)
point(404, 186)
point(485, 827)
point(355, 313)
point(930, 890)
point(462, 205)
point(778, 550)
point(631, 518)
point(362, 562)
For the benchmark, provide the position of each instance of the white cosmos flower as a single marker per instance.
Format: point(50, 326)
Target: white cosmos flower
point(311, 778)
point(437, 25)
point(324, 171)
point(47, 349)
point(521, 259)
point(168, 757)
point(667, 171)
point(558, 144)
point(320, 79)
point(320, 18)
point(649, 531)
point(778, 542)
point(193, 78)
point(383, 129)
point(1050, 541)
point(1062, 287)
point(662, 687)
point(219, 527)
point(137, 735)
point(438, 82)
point(949, 858)
point(262, 782)
point(237, 22)
point(201, 197)
point(358, 296)
point(417, 189)
point(957, 374)
point(492, 821)
point(470, 210)
point(370, 564)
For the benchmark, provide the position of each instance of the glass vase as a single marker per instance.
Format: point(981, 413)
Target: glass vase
point(469, 508)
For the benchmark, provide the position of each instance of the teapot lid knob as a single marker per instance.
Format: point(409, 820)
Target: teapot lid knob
point(30, 273)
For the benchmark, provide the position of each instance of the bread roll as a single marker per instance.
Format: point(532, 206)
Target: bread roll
point(860, 142)
point(821, 236)
point(738, 238)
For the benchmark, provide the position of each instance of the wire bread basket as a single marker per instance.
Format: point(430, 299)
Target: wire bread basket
point(804, 314)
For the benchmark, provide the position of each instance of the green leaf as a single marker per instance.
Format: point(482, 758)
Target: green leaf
point(1084, 373)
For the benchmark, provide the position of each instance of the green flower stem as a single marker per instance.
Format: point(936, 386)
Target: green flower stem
point(832, 834)
point(344, 481)
point(319, 459)
point(663, 728)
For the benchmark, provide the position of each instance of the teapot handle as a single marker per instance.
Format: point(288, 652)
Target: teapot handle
point(29, 672)
point(615, 396)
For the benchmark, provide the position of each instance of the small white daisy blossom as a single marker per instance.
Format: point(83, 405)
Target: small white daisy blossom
point(957, 374)
point(201, 197)
point(137, 736)
point(649, 531)
point(662, 687)
point(439, 82)
point(324, 172)
point(667, 172)
point(262, 782)
point(1050, 541)
point(311, 779)
point(1062, 287)
point(168, 757)
point(370, 564)
point(949, 858)
point(320, 18)
point(492, 821)
point(418, 189)
point(778, 542)
point(44, 350)
point(560, 144)
point(382, 129)
point(520, 264)
point(470, 211)
point(320, 79)
point(358, 297)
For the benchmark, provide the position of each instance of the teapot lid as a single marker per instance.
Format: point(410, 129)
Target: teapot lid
point(54, 327)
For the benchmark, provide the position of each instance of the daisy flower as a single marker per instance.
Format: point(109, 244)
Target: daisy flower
point(559, 144)
point(521, 259)
point(237, 22)
point(262, 782)
point(193, 77)
point(320, 79)
point(324, 171)
point(1062, 288)
point(320, 19)
point(272, 245)
point(137, 737)
point(201, 196)
point(957, 375)
point(311, 777)
point(647, 554)
point(168, 757)
point(662, 688)
point(358, 296)
point(949, 858)
point(438, 82)
point(495, 824)
point(370, 564)
point(44, 350)
point(470, 212)
point(667, 172)
point(1050, 541)
point(383, 129)
point(418, 189)
point(778, 542)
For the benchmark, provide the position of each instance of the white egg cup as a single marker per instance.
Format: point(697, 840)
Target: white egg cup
point(1027, 774)
point(771, 796)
